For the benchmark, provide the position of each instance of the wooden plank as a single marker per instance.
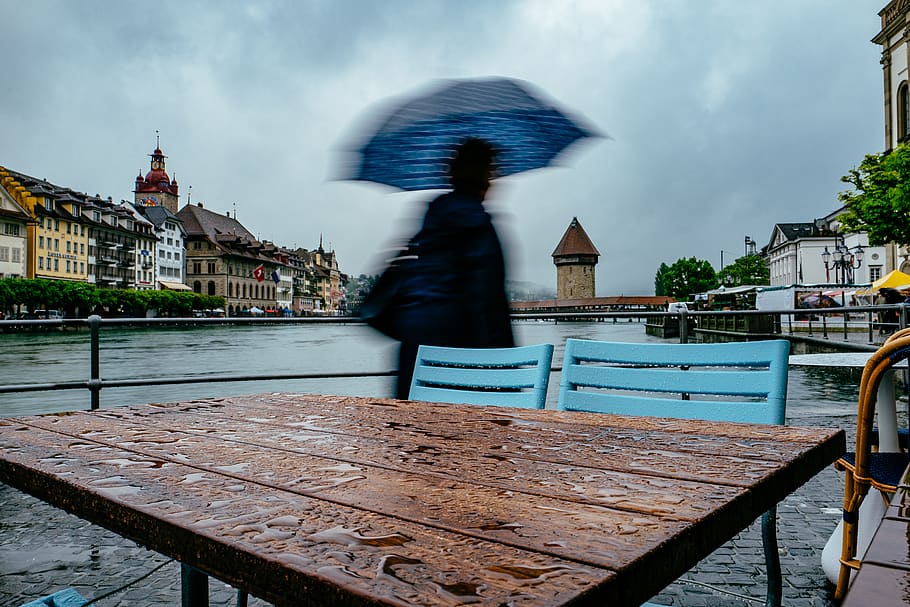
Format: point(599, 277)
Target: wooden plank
point(525, 432)
point(541, 523)
point(503, 471)
point(283, 547)
point(879, 586)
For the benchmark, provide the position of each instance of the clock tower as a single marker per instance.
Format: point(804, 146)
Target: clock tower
point(156, 189)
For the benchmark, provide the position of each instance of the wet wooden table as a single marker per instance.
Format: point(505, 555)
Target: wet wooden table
point(321, 500)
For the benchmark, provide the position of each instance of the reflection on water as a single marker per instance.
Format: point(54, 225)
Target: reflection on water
point(249, 350)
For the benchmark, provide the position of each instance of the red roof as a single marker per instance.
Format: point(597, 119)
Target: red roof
point(575, 242)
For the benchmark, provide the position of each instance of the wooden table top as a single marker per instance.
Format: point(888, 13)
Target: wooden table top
point(322, 500)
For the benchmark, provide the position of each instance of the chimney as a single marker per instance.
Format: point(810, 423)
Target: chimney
point(199, 204)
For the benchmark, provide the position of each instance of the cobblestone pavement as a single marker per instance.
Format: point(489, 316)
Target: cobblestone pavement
point(43, 550)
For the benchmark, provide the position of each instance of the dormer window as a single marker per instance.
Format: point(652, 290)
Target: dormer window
point(96, 215)
point(49, 204)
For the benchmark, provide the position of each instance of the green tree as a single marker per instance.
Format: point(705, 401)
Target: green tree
point(688, 276)
point(879, 203)
point(747, 270)
point(660, 280)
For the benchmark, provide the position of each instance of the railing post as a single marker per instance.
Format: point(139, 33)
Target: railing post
point(94, 382)
point(683, 327)
point(871, 338)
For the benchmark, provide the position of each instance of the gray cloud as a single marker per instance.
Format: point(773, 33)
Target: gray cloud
point(725, 117)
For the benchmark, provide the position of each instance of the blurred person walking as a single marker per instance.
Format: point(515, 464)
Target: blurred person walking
point(453, 292)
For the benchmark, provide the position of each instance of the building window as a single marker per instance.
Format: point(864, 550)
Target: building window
point(244, 290)
point(68, 245)
point(82, 267)
point(177, 256)
point(197, 267)
point(82, 248)
point(67, 266)
point(11, 229)
point(56, 265)
point(211, 287)
point(69, 228)
point(161, 253)
point(57, 225)
point(211, 267)
point(903, 112)
point(56, 244)
point(197, 286)
point(875, 272)
point(41, 242)
point(4, 253)
point(40, 263)
point(197, 245)
point(82, 231)
point(17, 252)
point(230, 289)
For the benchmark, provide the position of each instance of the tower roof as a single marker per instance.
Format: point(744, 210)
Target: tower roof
point(575, 242)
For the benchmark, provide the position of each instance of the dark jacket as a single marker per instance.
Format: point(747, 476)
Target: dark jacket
point(453, 293)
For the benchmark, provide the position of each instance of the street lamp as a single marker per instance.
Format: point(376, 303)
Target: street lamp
point(749, 246)
point(843, 259)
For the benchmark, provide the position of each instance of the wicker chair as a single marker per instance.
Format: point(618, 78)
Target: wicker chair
point(865, 467)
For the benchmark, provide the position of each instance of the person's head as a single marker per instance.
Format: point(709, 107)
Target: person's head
point(472, 167)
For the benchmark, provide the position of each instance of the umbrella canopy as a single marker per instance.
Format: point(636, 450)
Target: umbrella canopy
point(411, 147)
point(892, 280)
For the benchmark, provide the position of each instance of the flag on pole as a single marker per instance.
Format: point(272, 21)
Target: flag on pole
point(276, 277)
point(259, 273)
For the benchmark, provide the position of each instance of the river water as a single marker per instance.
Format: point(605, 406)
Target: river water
point(57, 356)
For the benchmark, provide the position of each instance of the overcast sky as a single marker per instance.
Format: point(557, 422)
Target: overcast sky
point(724, 117)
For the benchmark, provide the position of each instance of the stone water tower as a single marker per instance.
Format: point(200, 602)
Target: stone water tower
point(575, 258)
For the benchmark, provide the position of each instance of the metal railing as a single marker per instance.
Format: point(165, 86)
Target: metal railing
point(698, 320)
point(94, 384)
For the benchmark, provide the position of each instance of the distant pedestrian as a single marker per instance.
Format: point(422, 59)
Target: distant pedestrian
point(453, 293)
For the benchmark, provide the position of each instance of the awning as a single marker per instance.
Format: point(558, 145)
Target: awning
point(173, 286)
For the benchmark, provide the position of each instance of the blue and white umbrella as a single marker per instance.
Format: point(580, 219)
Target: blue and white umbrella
point(414, 142)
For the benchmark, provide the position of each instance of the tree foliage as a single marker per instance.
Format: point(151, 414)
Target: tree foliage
point(660, 280)
point(81, 299)
point(747, 270)
point(879, 203)
point(688, 276)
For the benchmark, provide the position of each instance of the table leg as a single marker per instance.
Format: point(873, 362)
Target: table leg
point(194, 587)
point(873, 508)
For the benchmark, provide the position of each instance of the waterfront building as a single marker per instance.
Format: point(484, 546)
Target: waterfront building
point(14, 221)
point(56, 233)
point(575, 258)
point(224, 258)
point(795, 254)
point(144, 255)
point(112, 244)
point(894, 39)
point(165, 258)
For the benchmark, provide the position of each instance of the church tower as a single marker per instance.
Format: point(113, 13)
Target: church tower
point(575, 257)
point(156, 189)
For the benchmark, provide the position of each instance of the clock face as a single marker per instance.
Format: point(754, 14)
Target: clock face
point(156, 164)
